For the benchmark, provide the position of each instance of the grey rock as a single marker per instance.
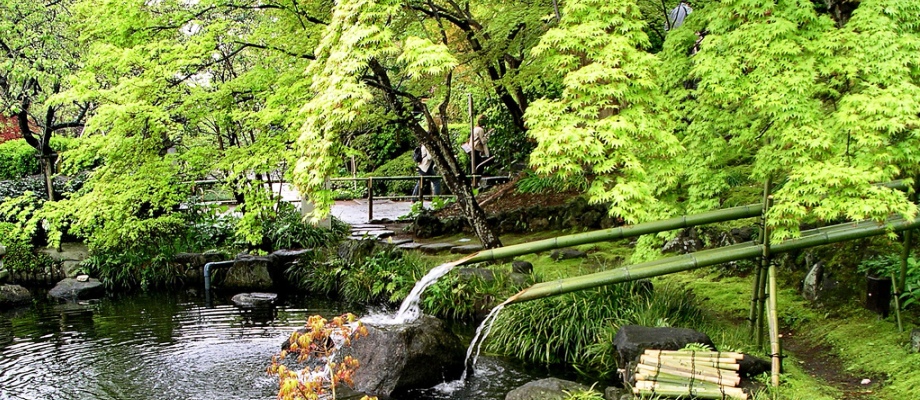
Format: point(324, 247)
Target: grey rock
point(2, 250)
point(284, 258)
point(521, 267)
point(436, 247)
point(545, 389)
point(67, 252)
point(71, 289)
point(566, 254)
point(812, 285)
point(632, 340)
point(750, 366)
point(13, 295)
point(615, 393)
point(483, 274)
point(395, 242)
point(71, 268)
point(367, 227)
point(254, 299)
point(190, 259)
point(466, 249)
point(249, 272)
point(420, 354)
point(409, 246)
point(915, 340)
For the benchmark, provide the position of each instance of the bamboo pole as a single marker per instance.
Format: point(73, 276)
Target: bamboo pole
point(692, 369)
point(897, 304)
point(725, 380)
point(728, 214)
point(774, 329)
point(756, 314)
point(685, 392)
point(811, 238)
point(727, 364)
point(695, 354)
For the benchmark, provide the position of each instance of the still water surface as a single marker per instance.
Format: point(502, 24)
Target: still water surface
point(171, 346)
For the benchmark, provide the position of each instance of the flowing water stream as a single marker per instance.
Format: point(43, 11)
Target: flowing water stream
point(171, 346)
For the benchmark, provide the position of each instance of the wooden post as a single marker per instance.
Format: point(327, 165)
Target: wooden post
point(370, 199)
point(421, 190)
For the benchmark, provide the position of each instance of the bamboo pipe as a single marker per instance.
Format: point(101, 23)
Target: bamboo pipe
point(693, 369)
point(685, 221)
point(728, 214)
point(670, 390)
point(811, 238)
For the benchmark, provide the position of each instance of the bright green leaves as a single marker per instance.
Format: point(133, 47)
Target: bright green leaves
point(609, 121)
point(422, 57)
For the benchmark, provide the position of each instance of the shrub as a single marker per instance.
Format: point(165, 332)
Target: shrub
point(399, 166)
point(457, 297)
point(17, 159)
point(20, 256)
point(288, 230)
point(384, 276)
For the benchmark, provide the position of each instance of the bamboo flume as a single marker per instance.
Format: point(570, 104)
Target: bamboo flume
point(810, 238)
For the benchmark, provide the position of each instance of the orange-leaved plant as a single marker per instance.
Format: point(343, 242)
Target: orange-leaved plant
point(316, 347)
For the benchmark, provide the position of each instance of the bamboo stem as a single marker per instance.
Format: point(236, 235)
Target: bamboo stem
point(685, 393)
point(693, 369)
point(774, 329)
point(811, 238)
point(689, 390)
point(728, 381)
point(695, 354)
point(897, 305)
point(727, 364)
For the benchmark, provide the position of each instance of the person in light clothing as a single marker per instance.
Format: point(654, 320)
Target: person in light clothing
point(427, 169)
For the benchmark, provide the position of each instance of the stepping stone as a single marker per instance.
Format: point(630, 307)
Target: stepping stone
point(566, 254)
point(409, 246)
point(466, 249)
point(375, 234)
point(255, 299)
point(367, 227)
point(395, 242)
point(436, 247)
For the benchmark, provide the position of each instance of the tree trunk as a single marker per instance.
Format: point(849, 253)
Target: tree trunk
point(47, 162)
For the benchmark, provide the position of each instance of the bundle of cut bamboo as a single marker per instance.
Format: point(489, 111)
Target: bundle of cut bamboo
point(700, 374)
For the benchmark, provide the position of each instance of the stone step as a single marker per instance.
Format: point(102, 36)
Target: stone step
point(466, 249)
point(436, 247)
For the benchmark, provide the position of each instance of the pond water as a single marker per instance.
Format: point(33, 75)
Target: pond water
point(171, 346)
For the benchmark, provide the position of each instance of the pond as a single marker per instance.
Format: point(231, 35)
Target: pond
point(171, 346)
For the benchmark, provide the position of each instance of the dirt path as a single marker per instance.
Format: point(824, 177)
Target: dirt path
point(820, 362)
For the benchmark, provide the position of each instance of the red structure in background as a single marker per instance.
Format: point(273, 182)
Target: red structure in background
point(9, 128)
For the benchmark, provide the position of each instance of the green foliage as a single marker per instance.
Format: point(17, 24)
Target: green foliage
point(399, 166)
point(385, 276)
point(465, 297)
point(289, 231)
point(20, 257)
point(17, 159)
point(611, 119)
point(889, 265)
point(534, 183)
point(578, 328)
point(585, 394)
point(372, 150)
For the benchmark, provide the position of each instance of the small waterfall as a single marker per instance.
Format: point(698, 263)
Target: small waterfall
point(482, 332)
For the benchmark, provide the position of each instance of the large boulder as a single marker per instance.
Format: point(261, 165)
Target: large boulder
point(545, 389)
point(13, 295)
point(420, 354)
point(249, 272)
point(633, 340)
point(71, 289)
point(254, 300)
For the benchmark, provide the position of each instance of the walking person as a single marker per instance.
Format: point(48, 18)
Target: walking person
point(677, 15)
point(426, 168)
point(480, 145)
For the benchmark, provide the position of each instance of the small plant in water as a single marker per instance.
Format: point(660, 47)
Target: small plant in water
point(316, 347)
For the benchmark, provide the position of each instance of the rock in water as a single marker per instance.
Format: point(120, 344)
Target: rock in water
point(71, 289)
point(420, 354)
point(249, 272)
point(13, 295)
point(545, 389)
point(256, 299)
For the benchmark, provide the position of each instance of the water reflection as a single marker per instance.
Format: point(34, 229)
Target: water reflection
point(171, 346)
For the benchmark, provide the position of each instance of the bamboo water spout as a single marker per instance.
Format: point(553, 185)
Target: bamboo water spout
point(811, 238)
point(686, 221)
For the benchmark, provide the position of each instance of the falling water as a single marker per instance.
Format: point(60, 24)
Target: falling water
point(481, 334)
point(410, 310)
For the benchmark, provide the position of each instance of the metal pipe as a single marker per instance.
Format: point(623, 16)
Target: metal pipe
point(207, 276)
point(207, 271)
